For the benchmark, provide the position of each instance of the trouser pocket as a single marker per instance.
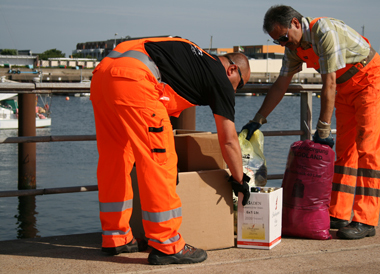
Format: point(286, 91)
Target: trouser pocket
point(158, 130)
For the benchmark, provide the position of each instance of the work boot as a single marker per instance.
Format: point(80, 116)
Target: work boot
point(336, 223)
point(188, 255)
point(131, 247)
point(356, 230)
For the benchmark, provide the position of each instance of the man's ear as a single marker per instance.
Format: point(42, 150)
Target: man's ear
point(230, 70)
point(296, 23)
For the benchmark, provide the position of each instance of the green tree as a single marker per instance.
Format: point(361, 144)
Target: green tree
point(51, 53)
point(9, 52)
point(77, 55)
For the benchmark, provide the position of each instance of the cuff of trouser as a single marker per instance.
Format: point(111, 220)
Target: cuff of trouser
point(324, 129)
point(116, 240)
point(372, 221)
point(259, 119)
point(169, 249)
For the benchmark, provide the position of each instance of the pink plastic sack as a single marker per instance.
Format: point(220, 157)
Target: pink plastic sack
point(307, 188)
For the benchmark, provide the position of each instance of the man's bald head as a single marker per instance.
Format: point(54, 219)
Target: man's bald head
point(240, 61)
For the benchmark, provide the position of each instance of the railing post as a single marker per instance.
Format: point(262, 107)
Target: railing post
point(306, 114)
point(27, 151)
point(26, 217)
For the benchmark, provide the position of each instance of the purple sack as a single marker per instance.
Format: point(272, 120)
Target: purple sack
point(307, 187)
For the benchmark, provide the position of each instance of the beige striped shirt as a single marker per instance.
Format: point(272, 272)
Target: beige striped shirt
point(333, 41)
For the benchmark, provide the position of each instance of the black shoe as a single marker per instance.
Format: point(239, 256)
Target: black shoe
point(356, 230)
point(131, 247)
point(188, 255)
point(336, 223)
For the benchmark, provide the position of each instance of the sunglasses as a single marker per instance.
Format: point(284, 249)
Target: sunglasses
point(282, 39)
point(241, 84)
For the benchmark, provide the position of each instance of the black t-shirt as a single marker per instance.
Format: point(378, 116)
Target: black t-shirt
point(194, 75)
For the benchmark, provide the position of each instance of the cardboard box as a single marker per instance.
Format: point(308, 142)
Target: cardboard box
point(259, 221)
point(198, 151)
point(189, 131)
point(207, 209)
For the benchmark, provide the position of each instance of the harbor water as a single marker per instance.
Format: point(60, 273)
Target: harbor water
point(64, 164)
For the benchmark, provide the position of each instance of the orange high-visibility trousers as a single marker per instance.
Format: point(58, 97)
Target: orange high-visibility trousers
point(133, 126)
point(356, 183)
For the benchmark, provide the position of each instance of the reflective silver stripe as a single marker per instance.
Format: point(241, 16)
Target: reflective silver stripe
point(139, 56)
point(363, 172)
point(369, 173)
point(345, 170)
point(169, 241)
point(158, 217)
point(343, 188)
point(115, 232)
point(115, 207)
point(366, 191)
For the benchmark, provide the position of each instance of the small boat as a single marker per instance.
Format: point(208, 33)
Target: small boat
point(9, 113)
point(82, 94)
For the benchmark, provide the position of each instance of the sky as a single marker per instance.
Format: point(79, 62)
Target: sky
point(40, 25)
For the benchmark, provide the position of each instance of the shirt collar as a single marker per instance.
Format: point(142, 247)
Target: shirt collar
point(306, 35)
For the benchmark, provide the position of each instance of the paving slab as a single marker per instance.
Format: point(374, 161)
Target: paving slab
point(81, 254)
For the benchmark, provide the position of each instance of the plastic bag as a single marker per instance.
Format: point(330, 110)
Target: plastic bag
point(254, 164)
point(307, 188)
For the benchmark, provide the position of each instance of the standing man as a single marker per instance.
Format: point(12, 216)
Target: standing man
point(133, 92)
point(349, 65)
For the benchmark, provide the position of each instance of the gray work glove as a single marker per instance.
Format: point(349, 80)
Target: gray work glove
point(254, 124)
point(323, 134)
point(243, 188)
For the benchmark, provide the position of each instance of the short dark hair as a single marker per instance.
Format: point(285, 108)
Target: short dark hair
point(280, 14)
point(239, 59)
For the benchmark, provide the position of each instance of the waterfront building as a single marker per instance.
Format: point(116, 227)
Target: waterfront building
point(100, 49)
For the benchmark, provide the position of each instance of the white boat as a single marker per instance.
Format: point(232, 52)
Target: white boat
point(9, 113)
point(83, 94)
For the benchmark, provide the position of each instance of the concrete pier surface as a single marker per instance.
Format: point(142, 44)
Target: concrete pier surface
point(81, 254)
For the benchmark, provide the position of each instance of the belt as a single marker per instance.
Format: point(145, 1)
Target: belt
point(139, 56)
point(353, 70)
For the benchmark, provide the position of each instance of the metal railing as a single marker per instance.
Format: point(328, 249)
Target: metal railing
point(305, 92)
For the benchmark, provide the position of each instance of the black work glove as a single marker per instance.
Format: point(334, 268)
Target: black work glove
point(251, 127)
point(323, 134)
point(243, 188)
point(254, 125)
point(326, 141)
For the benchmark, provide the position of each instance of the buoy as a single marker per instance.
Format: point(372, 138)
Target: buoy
point(67, 98)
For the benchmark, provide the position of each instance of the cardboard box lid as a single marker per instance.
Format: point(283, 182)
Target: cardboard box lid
point(199, 152)
point(189, 132)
